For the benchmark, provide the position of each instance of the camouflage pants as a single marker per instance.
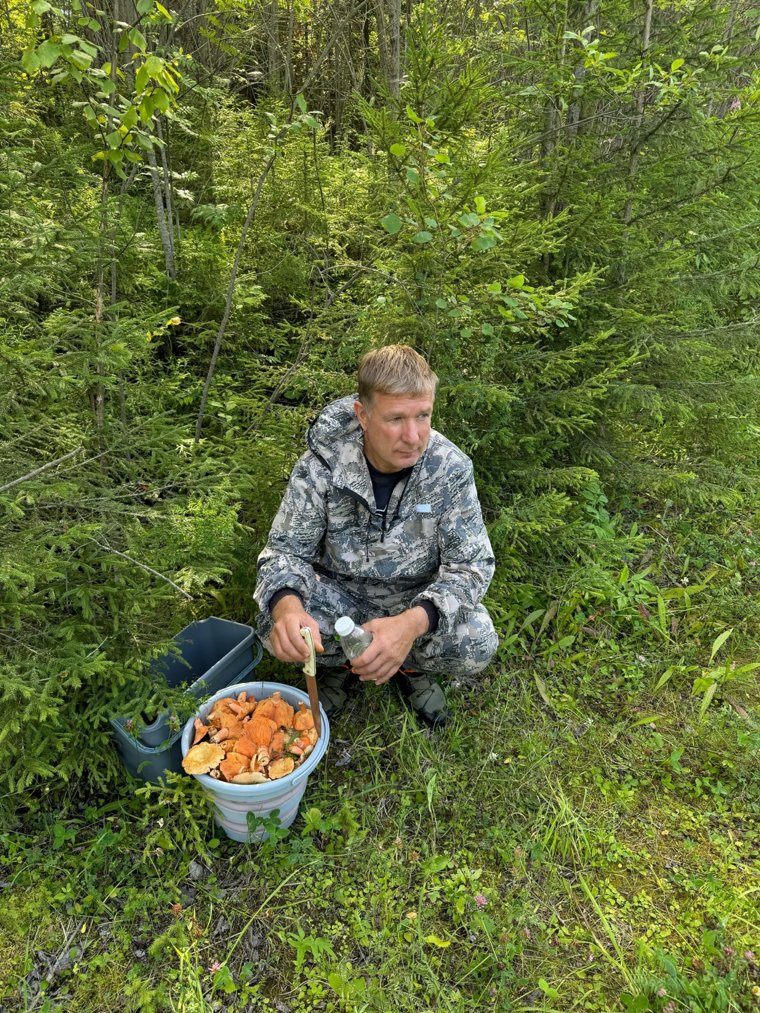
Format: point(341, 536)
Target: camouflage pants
point(465, 650)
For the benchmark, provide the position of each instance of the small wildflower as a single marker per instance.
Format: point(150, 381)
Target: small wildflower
point(749, 956)
point(176, 910)
point(493, 757)
point(480, 900)
point(669, 1007)
point(729, 951)
point(214, 966)
point(414, 856)
point(662, 992)
point(398, 842)
point(736, 104)
point(756, 989)
point(411, 915)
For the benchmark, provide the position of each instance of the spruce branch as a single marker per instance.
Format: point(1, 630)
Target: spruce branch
point(37, 471)
point(143, 566)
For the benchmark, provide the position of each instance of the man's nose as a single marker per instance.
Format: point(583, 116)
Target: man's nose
point(410, 433)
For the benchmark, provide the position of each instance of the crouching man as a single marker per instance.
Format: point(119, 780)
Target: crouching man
point(381, 522)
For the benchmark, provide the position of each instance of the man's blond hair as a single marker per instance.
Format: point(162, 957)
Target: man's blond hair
point(397, 370)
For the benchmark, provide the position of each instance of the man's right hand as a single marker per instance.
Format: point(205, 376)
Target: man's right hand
point(289, 618)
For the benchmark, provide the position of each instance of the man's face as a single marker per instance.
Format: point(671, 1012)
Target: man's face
point(396, 429)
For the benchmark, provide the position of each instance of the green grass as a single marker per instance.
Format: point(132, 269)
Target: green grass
point(576, 841)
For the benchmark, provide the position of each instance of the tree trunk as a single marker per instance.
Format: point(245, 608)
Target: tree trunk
point(633, 161)
point(164, 226)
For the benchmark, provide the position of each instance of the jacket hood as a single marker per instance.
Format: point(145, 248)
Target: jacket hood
point(334, 428)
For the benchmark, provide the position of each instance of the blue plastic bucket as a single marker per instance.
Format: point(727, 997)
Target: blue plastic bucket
point(233, 802)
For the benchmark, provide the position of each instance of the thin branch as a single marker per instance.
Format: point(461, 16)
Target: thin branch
point(37, 471)
point(143, 566)
point(231, 289)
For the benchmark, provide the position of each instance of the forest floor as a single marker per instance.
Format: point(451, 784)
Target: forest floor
point(576, 839)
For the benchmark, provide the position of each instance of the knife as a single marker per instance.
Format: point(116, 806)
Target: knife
point(310, 671)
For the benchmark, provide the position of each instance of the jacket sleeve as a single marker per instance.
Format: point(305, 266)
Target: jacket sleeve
point(467, 561)
point(287, 560)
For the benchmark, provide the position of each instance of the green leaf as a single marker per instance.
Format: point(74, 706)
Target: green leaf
point(541, 687)
point(487, 329)
point(141, 81)
point(412, 175)
point(469, 220)
point(546, 988)
point(437, 941)
point(518, 281)
point(676, 64)
point(412, 115)
point(30, 62)
point(484, 242)
point(650, 719)
point(107, 86)
point(442, 304)
point(69, 40)
point(422, 237)
point(113, 139)
point(399, 150)
point(41, 7)
point(480, 205)
point(709, 694)
point(392, 224)
point(48, 53)
point(129, 119)
point(301, 102)
point(664, 678)
point(719, 642)
point(311, 122)
point(137, 39)
point(144, 6)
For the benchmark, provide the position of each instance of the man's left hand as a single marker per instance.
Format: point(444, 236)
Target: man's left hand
point(392, 639)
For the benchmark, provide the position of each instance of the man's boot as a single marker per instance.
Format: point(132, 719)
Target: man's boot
point(424, 696)
point(333, 685)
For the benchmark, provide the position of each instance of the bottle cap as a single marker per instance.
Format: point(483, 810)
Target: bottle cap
point(344, 626)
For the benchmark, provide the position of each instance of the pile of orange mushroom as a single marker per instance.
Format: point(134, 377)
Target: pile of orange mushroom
point(250, 741)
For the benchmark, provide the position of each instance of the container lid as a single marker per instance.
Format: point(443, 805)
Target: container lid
point(344, 626)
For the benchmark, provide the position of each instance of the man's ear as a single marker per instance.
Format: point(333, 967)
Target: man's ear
point(361, 414)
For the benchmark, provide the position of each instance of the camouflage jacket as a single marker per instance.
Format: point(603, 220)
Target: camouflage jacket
point(429, 544)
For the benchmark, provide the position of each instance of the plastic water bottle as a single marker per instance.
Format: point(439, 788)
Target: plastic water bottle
point(353, 639)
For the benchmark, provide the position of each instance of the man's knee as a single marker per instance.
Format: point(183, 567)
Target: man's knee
point(465, 650)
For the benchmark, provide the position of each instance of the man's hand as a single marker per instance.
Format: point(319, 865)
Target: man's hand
point(289, 617)
point(392, 639)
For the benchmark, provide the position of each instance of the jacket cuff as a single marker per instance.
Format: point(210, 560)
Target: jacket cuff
point(282, 593)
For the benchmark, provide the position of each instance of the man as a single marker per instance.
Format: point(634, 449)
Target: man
point(381, 522)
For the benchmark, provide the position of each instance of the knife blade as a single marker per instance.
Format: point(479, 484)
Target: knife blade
point(310, 672)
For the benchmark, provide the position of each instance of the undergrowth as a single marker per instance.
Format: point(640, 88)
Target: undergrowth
point(584, 836)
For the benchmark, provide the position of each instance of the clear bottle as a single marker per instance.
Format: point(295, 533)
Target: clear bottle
point(353, 639)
